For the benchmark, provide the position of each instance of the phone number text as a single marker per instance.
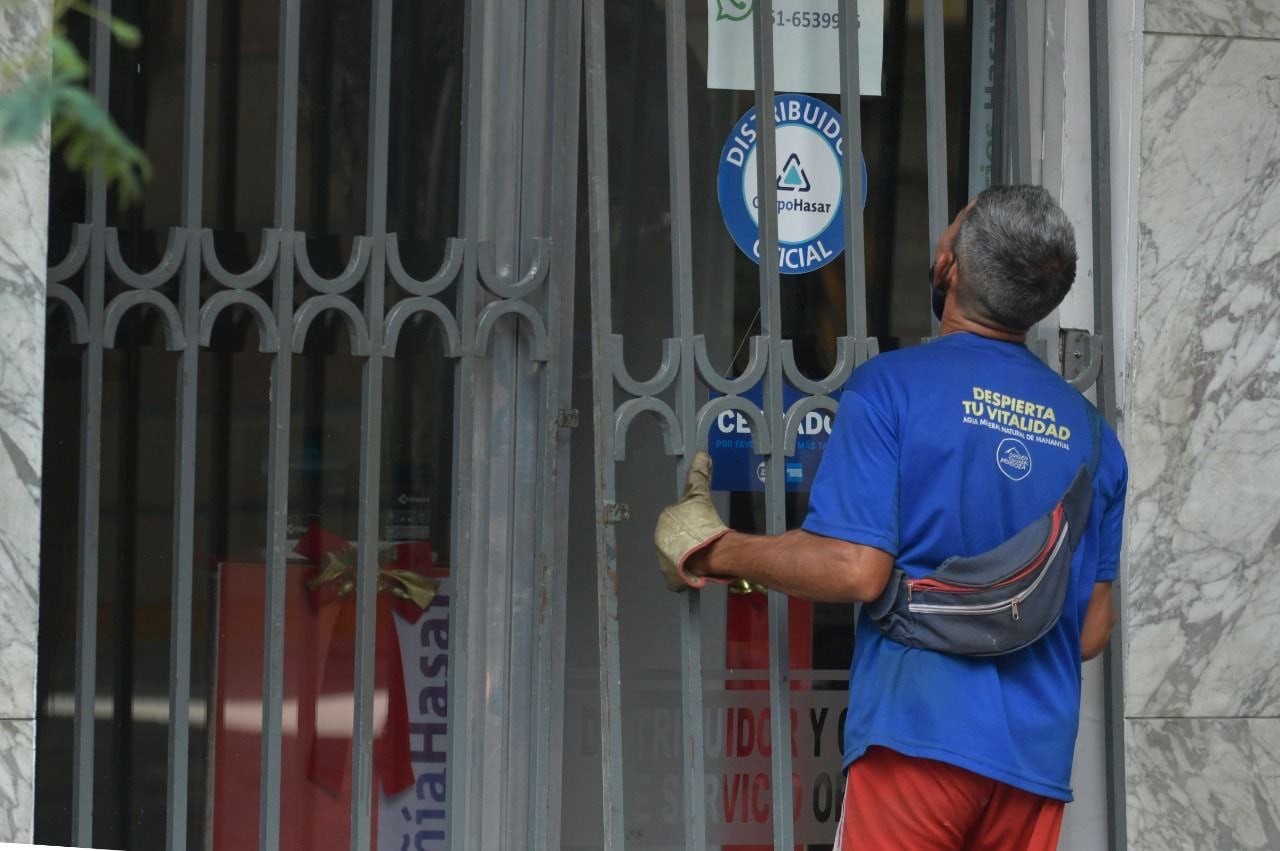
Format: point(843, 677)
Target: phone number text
point(810, 20)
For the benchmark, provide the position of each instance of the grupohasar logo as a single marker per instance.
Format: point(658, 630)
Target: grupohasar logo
point(1013, 459)
point(793, 178)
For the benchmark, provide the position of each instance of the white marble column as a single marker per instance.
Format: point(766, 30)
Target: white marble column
point(1202, 690)
point(24, 207)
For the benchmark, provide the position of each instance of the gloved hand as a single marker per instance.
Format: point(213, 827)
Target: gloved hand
point(688, 526)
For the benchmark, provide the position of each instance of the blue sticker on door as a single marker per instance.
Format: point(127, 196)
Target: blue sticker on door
point(809, 180)
point(737, 468)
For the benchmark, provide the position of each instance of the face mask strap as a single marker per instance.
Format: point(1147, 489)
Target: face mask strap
point(938, 296)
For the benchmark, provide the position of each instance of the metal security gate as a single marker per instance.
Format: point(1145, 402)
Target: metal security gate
point(499, 296)
point(501, 302)
point(677, 394)
point(687, 391)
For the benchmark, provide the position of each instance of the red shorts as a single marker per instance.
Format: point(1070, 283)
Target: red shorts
point(894, 802)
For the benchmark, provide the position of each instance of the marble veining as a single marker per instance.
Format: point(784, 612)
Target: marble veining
point(1203, 784)
point(1250, 18)
point(24, 182)
point(17, 780)
point(1203, 603)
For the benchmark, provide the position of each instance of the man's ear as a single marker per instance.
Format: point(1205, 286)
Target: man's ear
point(944, 274)
point(953, 272)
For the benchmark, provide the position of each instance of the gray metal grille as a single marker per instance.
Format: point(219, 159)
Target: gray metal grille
point(502, 298)
point(687, 374)
point(513, 317)
point(676, 394)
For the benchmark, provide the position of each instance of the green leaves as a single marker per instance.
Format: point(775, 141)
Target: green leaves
point(24, 110)
point(49, 86)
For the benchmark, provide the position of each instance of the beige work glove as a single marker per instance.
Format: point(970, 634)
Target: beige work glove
point(688, 526)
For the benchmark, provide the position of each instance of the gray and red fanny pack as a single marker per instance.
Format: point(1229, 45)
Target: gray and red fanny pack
point(1001, 600)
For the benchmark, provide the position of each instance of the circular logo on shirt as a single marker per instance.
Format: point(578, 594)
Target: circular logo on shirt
point(1013, 459)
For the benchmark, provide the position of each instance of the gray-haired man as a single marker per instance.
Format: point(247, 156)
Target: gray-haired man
point(942, 450)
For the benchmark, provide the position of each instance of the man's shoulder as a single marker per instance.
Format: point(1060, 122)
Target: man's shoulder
point(901, 369)
point(894, 364)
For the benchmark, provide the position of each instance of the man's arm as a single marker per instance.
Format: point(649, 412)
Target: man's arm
point(798, 563)
point(1098, 621)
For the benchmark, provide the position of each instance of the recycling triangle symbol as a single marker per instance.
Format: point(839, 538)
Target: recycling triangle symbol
point(793, 178)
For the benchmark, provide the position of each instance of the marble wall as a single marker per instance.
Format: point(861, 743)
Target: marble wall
point(24, 202)
point(1202, 690)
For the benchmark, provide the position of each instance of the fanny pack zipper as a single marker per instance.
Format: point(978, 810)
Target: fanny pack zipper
point(986, 608)
point(929, 583)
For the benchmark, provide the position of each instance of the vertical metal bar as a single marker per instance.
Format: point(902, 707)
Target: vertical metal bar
point(531, 396)
point(366, 583)
point(1049, 141)
point(185, 445)
point(553, 543)
point(774, 411)
point(126, 590)
point(935, 105)
point(495, 438)
point(464, 793)
point(491, 440)
point(535, 392)
point(1000, 96)
point(278, 436)
point(1020, 80)
point(1100, 160)
point(602, 390)
point(692, 751)
point(91, 464)
point(362, 790)
point(982, 89)
point(1105, 388)
point(855, 258)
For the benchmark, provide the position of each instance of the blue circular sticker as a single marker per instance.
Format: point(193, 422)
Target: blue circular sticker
point(810, 157)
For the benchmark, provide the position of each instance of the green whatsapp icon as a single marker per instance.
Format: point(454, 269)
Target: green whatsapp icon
point(733, 10)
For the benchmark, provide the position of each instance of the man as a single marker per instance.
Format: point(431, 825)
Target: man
point(947, 449)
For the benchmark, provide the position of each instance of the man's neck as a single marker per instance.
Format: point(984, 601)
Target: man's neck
point(957, 322)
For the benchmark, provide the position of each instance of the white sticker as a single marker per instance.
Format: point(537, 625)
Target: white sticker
point(806, 45)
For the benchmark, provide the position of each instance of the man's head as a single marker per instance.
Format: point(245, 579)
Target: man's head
point(1014, 256)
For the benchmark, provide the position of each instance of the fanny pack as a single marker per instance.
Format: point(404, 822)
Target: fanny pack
point(1001, 600)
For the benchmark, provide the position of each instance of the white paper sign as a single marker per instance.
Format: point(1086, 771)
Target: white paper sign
point(806, 46)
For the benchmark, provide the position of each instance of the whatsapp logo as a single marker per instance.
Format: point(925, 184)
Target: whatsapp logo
point(733, 10)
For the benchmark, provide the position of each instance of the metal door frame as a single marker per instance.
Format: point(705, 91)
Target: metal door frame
point(513, 454)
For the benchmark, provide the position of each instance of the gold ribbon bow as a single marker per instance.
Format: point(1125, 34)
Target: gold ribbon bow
point(339, 567)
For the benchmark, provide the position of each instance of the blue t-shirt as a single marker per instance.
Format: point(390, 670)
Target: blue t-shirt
point(948, 449)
